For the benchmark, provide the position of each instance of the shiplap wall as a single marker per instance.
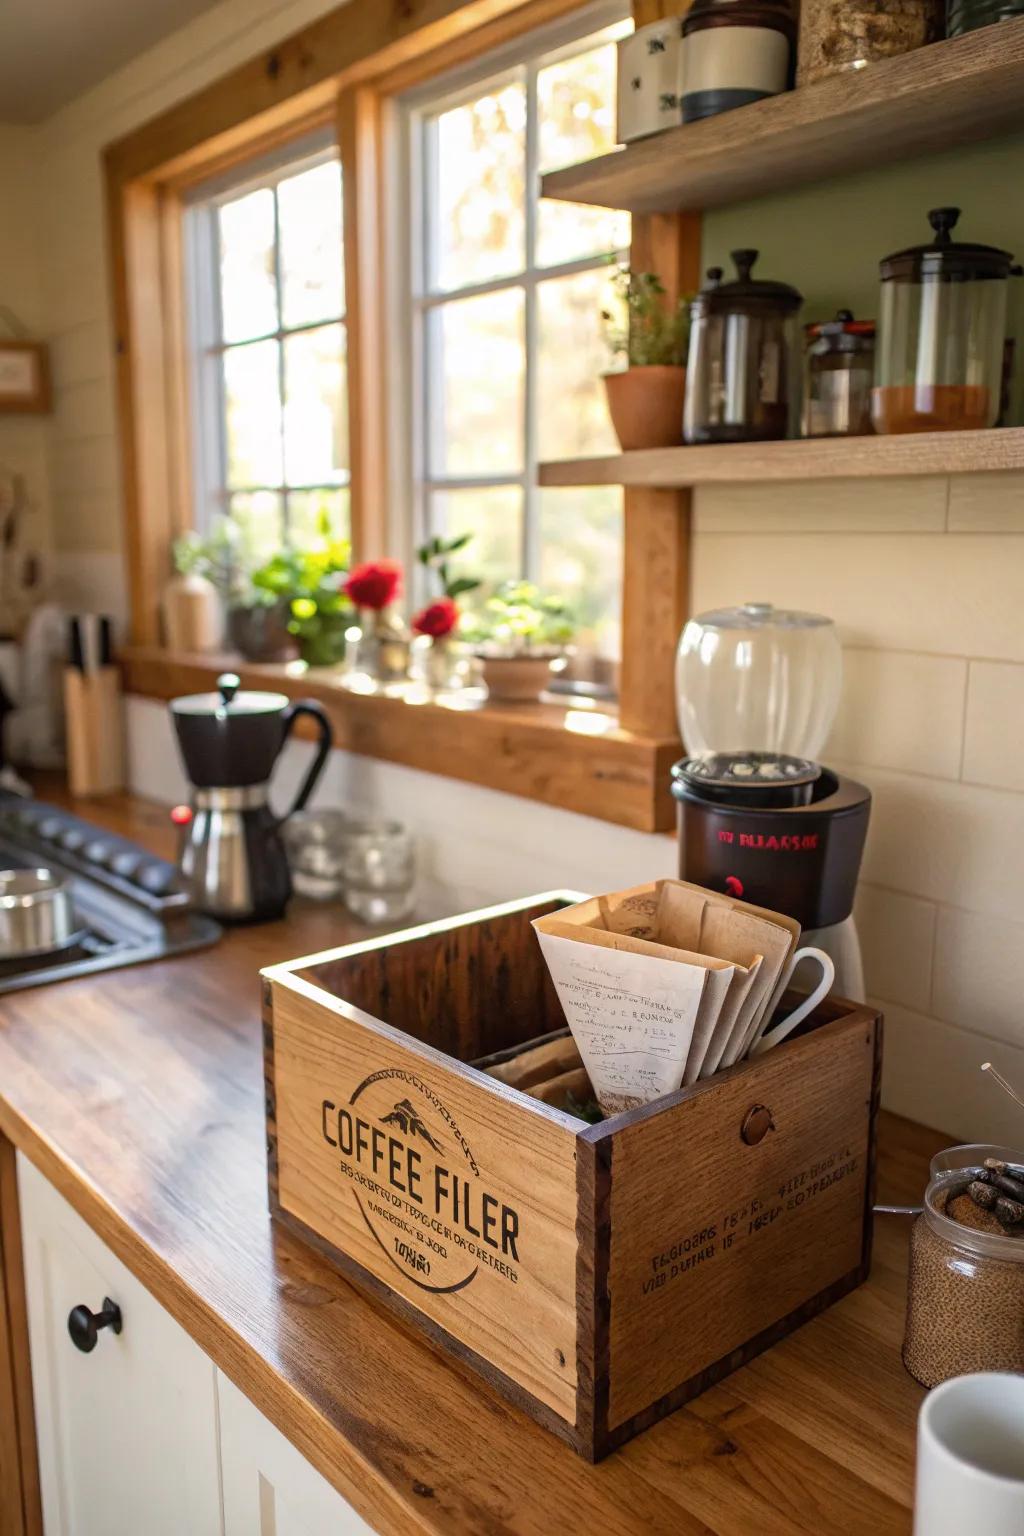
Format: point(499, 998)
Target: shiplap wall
point(23, 439)
point(925, 578)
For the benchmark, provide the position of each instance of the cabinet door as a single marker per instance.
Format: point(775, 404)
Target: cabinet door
point(269, 1487)
point(127, 1432)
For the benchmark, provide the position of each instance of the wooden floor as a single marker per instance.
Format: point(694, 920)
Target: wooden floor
point(140, 1095)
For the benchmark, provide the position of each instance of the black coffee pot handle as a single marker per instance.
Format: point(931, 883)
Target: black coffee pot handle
point(313, 710)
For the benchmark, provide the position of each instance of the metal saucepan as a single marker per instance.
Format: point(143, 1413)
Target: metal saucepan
point(36, 913)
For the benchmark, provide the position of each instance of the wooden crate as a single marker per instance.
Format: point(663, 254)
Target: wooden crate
point(598, 1276)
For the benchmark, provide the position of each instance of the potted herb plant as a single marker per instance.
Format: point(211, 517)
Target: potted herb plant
point(192, 606)
point(307, 586)
point(645, 398)
point(517, 635)
point(214, 583)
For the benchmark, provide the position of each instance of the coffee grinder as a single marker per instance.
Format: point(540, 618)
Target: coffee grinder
point(760, 818)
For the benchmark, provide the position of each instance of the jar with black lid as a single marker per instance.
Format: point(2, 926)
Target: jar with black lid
point(839, 365)
point(735, 52)
point(742, 370)
point(941, 333)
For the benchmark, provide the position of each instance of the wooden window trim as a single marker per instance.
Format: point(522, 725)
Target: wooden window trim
point(341, 70)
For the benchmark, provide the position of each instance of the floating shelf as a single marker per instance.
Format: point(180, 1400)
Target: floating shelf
point(823, 458)
point(940, 97)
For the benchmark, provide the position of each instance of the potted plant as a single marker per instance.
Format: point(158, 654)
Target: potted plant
point(193, 613)
point(307, 586)
point(517, 635)
point(645, 398)
point(214, 582)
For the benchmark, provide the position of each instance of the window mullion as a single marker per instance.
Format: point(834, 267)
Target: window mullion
point(531, 531)
point(285, 503)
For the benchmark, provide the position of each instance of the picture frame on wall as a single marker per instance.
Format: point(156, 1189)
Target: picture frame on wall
point(24, 377)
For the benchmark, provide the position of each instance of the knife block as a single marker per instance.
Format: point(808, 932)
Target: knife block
point(598, 1276)
point(95, 738)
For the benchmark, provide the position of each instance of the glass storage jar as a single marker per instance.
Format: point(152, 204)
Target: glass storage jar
point(839, 368)
point(758, 679)
point(378, 871)
point(837, 36)
point(941, 334)
point(965, 1288)
point(741, 375)
point(966, 15)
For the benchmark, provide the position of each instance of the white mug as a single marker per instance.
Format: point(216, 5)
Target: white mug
point(764, 1042)
point(970, 1457)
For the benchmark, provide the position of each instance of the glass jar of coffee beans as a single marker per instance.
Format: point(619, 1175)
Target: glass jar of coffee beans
point(965, 1290)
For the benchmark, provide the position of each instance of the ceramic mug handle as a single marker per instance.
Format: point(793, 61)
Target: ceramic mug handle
point(828, 975)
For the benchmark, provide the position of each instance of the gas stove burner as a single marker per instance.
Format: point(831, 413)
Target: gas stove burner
point(749, 778)
point(128, 906)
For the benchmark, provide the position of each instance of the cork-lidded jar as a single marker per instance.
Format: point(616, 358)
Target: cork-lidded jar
point(965, 1289)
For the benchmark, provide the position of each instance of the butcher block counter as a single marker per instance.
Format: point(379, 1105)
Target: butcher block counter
point(138, 1094)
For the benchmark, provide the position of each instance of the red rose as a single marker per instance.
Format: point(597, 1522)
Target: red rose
point(437, 619)
point(375, 584)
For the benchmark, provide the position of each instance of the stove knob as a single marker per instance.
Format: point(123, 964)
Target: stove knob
point(126, 862)
point(73, 839)
point(98, 851)
point(157, 878)
point(50, 828)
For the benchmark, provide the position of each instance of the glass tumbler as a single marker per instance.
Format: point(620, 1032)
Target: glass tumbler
point(379, 871)
point(314, 841)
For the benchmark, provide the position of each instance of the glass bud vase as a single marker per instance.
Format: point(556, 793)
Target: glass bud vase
point(379, 654)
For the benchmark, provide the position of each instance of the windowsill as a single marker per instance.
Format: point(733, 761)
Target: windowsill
point(559, 754)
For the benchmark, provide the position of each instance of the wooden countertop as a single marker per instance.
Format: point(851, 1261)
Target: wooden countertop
point(139, 1094)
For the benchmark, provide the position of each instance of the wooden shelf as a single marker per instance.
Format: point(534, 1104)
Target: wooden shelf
point(554, 753)
point(823, 458)
point(948, 94)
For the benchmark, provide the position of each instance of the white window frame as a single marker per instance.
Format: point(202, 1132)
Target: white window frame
point(411, 299)
point(211, 494)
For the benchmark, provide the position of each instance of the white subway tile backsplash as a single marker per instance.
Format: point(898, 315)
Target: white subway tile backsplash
point(951, 843)
point(994, 734)
point(911, 504)
point(931, 1073)
point(986, 503)
point(924, 593)
point(978, 974)
point(901, 711)
point(897, 936)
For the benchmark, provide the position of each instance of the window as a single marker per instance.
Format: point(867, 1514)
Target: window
point(506, 297)
point(267, 321)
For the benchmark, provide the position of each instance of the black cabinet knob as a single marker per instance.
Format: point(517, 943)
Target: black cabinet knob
point(84, 1326)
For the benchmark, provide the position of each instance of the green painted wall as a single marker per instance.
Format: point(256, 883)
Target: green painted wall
point(827, 238)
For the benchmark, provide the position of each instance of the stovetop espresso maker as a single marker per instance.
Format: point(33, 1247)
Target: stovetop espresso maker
point(233, 858)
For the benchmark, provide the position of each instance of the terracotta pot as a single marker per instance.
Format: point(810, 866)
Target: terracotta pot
point(646, 405)
point(516, 679)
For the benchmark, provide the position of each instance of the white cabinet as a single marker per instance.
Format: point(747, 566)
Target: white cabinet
point(127, 1433)
point(269, 1488)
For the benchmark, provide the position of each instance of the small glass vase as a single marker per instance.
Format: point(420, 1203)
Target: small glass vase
point(378, 656)
point(378, 871)
point(442, 671)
